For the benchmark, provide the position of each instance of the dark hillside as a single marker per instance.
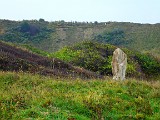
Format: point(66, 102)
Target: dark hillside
point(16, 59)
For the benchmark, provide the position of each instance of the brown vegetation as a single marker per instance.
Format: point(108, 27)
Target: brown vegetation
point(16, 59)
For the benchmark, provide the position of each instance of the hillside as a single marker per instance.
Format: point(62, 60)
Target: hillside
point(97, 57)
point(91, 58)
point(14, 58)
point(27, 96)
point(51, 36)
point(75, 82)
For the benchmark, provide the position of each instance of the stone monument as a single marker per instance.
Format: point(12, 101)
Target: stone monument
point(119, 64)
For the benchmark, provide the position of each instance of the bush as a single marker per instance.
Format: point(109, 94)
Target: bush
point(114, 37)
point(149, 65)
point(66, 54)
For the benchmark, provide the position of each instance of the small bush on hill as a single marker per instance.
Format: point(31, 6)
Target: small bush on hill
point(114, 37)
point(27, 32)
point(148, 64)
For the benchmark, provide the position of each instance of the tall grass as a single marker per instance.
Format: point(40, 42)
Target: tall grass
point(27, 96)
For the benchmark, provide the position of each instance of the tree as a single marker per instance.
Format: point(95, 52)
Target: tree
point(95, 22)
point(25, 27)
point(41, 20)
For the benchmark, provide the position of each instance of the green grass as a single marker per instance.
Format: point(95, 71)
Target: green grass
point(26, 96)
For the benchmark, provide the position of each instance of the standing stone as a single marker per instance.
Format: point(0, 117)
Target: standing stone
point(119, 64)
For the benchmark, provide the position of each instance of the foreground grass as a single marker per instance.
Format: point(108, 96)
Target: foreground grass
point(26, 96)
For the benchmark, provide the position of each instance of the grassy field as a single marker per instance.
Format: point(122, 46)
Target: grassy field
point(26, 96)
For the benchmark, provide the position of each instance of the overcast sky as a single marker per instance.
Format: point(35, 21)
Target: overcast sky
point(137, 11)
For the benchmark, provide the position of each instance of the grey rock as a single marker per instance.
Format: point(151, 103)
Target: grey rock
point(119, 64)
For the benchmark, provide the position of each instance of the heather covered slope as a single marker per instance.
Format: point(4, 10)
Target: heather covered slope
point(17, 59)
point(26, 96)
point(51, 36)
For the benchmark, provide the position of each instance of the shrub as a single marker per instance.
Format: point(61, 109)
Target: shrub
point(66, 54)
point(149, 65)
